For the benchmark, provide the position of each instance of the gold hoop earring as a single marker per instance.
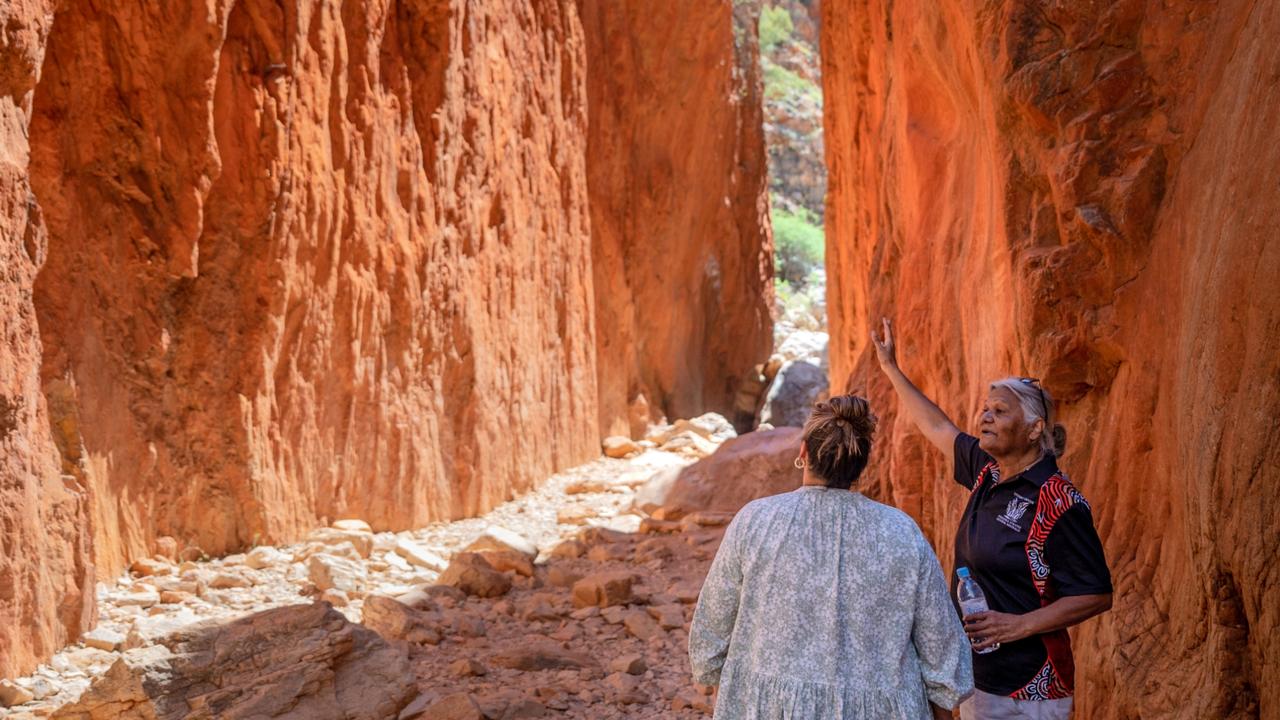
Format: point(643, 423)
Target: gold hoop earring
point(798, 463)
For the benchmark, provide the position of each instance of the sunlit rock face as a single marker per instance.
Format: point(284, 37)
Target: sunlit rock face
point(678, 189)
point(270, 264)
point(46, 574)
point(1085, 193)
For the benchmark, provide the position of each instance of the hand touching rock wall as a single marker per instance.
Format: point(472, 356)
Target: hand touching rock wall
point(1086, 193)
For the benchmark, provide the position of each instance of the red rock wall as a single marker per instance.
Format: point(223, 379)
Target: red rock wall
point(307, 261)
point(678, 190)
point(46, 576)
point(1088, 194)
point(311, 262)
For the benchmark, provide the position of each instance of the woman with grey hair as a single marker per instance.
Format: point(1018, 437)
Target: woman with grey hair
point(1027, 537)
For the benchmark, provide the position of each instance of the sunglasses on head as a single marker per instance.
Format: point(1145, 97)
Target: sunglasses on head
point(1036, 383)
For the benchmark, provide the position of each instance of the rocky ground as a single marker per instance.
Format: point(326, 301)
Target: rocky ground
point(573, 600)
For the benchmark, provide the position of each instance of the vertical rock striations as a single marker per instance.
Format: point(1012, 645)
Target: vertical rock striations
point(300, 261)
point(1086, 193)
point(46, 576)
point(312, 260)
point(676, 178)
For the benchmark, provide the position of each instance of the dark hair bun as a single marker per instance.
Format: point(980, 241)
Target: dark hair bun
point(855, 411)
point(1059, 440)
point(837, 439)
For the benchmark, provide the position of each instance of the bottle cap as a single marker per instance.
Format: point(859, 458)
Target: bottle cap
point(962, 572)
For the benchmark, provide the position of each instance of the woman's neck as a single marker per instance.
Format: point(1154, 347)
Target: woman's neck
point(1015, 464)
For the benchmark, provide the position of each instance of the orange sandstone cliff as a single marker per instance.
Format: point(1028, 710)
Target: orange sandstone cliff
point(680, 233)
point(1088, 193)
point(270, 264)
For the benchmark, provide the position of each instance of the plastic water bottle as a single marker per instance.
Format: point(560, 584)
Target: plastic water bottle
point(972, 601)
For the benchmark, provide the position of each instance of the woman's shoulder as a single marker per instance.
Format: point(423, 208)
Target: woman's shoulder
point(892, 517)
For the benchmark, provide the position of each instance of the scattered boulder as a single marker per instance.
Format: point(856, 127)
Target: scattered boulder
point(353, 525)
point(419, 556)
point(328, 571)
point(472, 574)
point(104, 639)
point(792, 395)
point(467, 667)
point(640, 624)
point(362, 541)
point(499, 538)
point(265, 556)
point(12, 694)
point(146, 567)
point(629, 664)
point(508, 561)
point(604, 589)
point(619, 446)
point(395, 621)
point(459, 706)
point(541, 653)
point(747, 467)
point(298, 661)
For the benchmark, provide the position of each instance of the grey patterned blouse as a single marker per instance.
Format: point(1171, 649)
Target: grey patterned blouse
point(823, 604)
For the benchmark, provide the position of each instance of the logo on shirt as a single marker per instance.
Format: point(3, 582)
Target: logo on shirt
point(1013, 512)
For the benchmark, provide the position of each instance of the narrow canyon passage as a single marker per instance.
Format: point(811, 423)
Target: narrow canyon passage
point(273, 266)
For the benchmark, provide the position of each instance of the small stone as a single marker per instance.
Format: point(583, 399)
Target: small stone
point(650, 526)
point(224, 580)
point(558, 576)
point(640, 625)
point(146, 567)
point(669, 617)
point(327, 571)
point(104, 639)
point(174, 597)
point(460, 706)
point(509, 561)
point(614, 615)
point(576, 515)
point(706, 518)
point(541, 655)
point(361, 541)
point(569, 549)
point(667, 513)
point(525, 708)
point(603, 589)
point(139, 596)
point(335, 597)
point(613, 552)
point(419, 556)
point(499, 538)
point(264, 556)
point(467, 667)
point(352, 525)
point(629, 664)
point(685, 591)
point(622, 682)
point(619, 446)
point(12, 694)
point(167, 548)
point(584, 613)
point(472, 574)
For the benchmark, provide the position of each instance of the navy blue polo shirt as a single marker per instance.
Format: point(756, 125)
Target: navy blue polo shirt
point(1027, 541)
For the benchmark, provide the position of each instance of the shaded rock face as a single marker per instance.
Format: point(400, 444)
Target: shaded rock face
point(676, 178)
point(298, 661)
point(1086, 194)
point(46, 574)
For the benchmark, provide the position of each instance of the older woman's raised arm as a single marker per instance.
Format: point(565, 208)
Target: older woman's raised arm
point(927, 416)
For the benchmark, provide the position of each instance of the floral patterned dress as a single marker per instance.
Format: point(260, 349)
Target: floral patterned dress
point(823, 604)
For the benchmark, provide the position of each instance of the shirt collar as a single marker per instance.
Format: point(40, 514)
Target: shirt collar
point(1043, 469)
